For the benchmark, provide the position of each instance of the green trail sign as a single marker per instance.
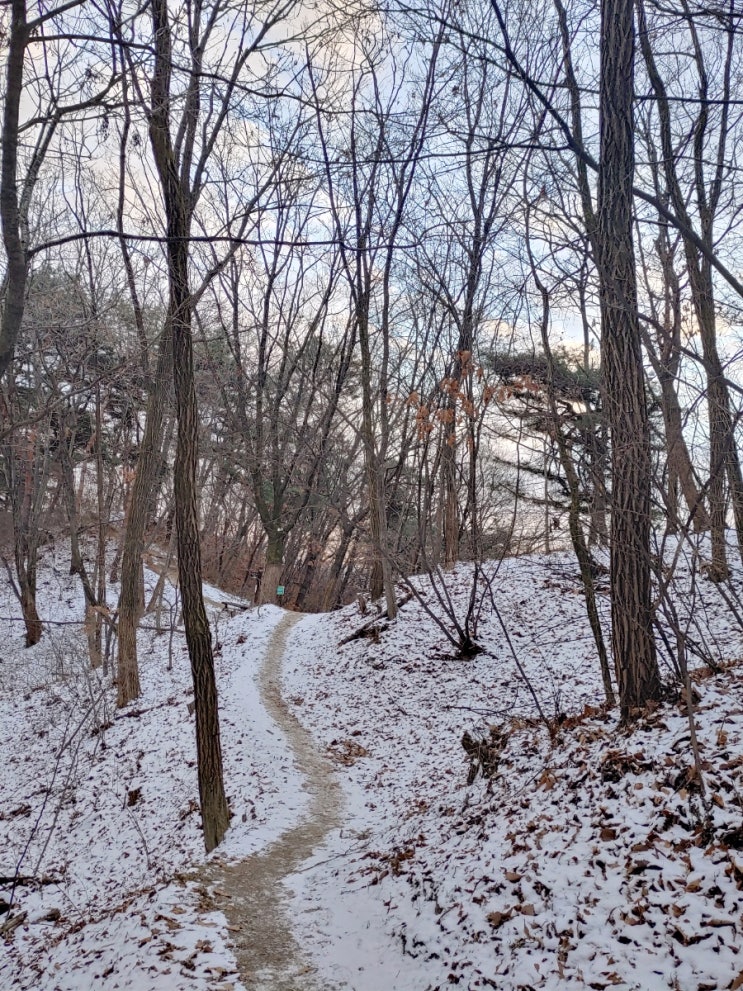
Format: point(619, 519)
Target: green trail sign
point(279, 589)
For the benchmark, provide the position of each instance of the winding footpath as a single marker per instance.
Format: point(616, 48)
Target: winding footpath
point(257, 910)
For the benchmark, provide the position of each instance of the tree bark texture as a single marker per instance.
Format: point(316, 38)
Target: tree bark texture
point(26, 463)
point(450, 491)
point(25, 561)
point(143, 494)
point(724, 462)
point(274, 566)
point(381, 571)
point(15, 250)
point(177, 199)
point(214, 810)
point(632, 613)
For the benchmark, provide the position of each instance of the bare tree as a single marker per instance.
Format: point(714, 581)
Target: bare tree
point(182, 147)
point(371, 155)
point(624, 380)
point(49, 94)
point(662, 335)
point(704, 187)
point(289, 358)
point(473, 205)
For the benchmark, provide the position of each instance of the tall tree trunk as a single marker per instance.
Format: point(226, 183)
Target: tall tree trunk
point(178, 199)
point(23, 501)
point(308, 574)
point(724, 461)
point(214, 811)
point(274, 566)
point(15, 286)
point(25, 562)
point(680, 467)
point(450, 493)
point(141, 501)
point(381, 571)
point(598, 532)
point(632, 612)
point(332, 589)
point(103, 512)
point(10, 214)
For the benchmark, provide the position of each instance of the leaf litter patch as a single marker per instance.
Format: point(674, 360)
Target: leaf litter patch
point(512, 854)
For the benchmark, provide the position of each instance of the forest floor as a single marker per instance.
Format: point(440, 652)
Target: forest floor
point(369, 850)
point(251, 891)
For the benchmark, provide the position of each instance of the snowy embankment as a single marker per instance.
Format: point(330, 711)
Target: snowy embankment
point(99, 807)
point(589, 858)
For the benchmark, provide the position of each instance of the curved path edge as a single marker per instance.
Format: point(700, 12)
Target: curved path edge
point(255, 900)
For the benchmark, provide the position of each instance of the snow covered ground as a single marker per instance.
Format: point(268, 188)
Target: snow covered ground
point(99, 808)
point(590, 857)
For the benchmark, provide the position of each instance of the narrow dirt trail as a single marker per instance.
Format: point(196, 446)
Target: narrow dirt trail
point(268, 956)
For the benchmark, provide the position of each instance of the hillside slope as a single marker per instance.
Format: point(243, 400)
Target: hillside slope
point(581, 855)
point(564, 852)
